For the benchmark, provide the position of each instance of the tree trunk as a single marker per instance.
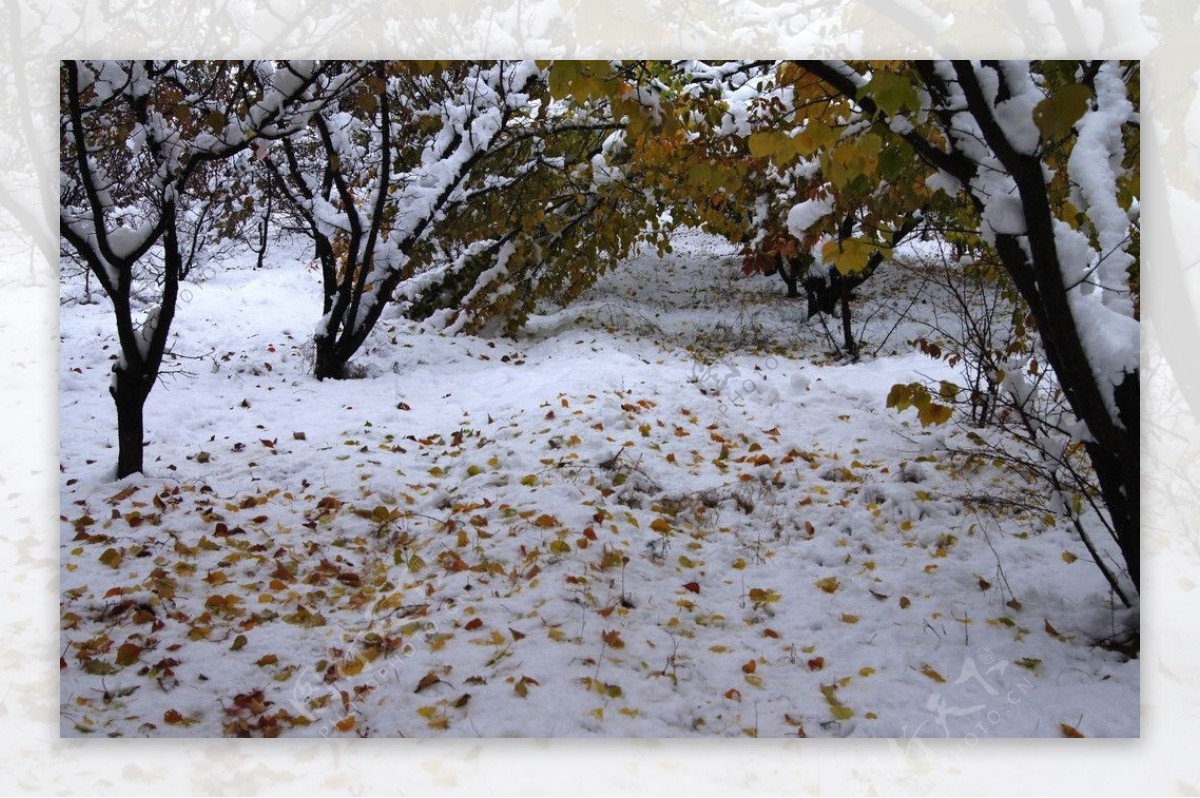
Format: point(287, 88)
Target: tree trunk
point(1120, 478)
point(823, 292)
point(264, 227)
point(1120, 488)
point(130, 400)
point(1036, 270)
point(330, 365)
point(847, 328)
point(790, 281)
point(790, 275)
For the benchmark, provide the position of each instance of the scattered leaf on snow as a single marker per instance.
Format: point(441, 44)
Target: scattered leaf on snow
point(612, 639)
point(1069, 731)
point(839, 710)
point(932, 674)
point(128, 653)
point(762, 596)
point(521, 687)
point(829, 584)
point(428, 680)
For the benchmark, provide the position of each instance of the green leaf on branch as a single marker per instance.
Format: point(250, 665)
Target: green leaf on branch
point(850, 255)
point(893, 93)
point(581, 79)
point(782, 148)
point(1055, 115)
point(853, 164)
point(894, 159)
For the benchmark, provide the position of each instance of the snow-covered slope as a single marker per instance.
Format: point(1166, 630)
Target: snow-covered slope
point(663, 511)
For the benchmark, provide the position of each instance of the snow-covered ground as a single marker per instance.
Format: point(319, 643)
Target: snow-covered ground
point(664, 511)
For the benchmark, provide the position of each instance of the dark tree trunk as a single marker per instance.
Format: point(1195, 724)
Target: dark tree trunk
point(790, 275)
point(330, 364)
point(793, 269)
point(264, 226)
point(1115, 449)
point(1035, 269)
point(1120, 486)
point(823, 292)
point(1121, 479)
point(130, 400)
point(847, 328)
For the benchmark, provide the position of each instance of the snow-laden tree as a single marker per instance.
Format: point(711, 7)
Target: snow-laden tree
point(464, 191)
point(1046, 153)
point(374, 172)
point(767, 170)
point(561, 200)
point(133, 137)
point(224, 211)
